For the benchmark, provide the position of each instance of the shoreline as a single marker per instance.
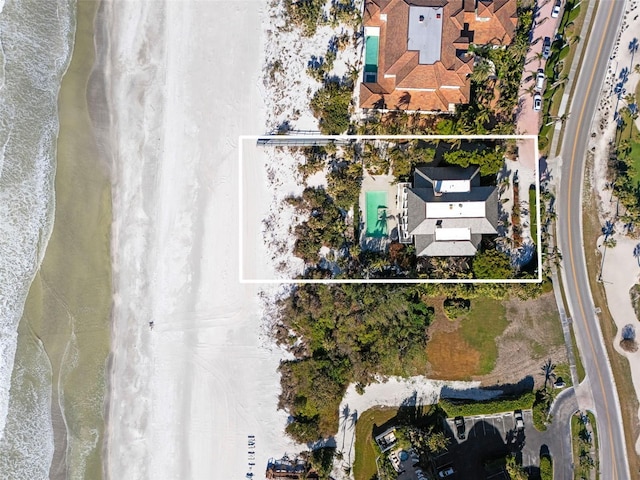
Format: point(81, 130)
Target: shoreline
point(70, 296)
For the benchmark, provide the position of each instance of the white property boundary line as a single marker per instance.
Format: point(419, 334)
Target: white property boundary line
point(243, 138)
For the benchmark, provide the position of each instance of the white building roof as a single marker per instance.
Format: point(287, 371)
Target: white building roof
point(450, 186)
point(455, 209)
point(453, 234)
point(425, 33)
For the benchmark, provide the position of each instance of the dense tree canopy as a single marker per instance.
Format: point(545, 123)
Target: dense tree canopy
point(342, 334)
point(490, 160)
point(324, 226)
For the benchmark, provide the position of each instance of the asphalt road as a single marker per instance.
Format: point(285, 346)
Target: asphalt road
point(558, 434)
point(613, 452)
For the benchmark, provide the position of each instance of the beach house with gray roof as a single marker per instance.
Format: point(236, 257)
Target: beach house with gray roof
point(446, 211)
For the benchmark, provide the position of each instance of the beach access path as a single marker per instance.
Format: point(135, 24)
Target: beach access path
point(182, 84)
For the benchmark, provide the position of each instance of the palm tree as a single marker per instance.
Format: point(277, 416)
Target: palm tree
point(539, 56)
point(633, 48)
point(482, 117)
point(608, 229)
point(548, 371)
point(481, 70)
point(636, 253)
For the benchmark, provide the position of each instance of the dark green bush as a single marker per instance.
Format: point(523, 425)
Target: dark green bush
point(456, 307)
point(330, 105)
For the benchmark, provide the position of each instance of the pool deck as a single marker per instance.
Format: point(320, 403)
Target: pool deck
point(379, 183)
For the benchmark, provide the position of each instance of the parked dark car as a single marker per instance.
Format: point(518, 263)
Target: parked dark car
point(546, 47)
point(459, 423)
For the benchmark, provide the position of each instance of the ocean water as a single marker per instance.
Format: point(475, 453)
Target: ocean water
point(36, 40)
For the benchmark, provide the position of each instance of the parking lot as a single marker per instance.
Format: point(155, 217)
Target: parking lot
point(489, 438)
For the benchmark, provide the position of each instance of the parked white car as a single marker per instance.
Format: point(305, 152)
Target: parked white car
point(537, 102)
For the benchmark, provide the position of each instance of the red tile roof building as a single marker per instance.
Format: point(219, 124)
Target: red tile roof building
point(423, 61)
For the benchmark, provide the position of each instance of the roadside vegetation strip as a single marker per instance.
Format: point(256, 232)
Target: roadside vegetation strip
point(619, 364)
point(454, 408)
point(584, 442)
point(546, 468)
point(574, 344)
point(577, 356)
point(533, 215)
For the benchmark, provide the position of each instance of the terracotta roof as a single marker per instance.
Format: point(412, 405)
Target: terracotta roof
point(446, 82)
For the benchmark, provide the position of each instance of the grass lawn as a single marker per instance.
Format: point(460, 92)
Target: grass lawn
point(484, 323)
point(364, 466)
point(635, 155)
point(471, 348)
point(577, 356)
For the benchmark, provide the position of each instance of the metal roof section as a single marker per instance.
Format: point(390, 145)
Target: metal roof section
point(444, 234)
point(451, 186)
point(480, 226)
point(448, 214)
point(425, 33)
point(455, 210)
point(450, 249)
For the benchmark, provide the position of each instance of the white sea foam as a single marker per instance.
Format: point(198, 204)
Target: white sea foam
point(36, 39)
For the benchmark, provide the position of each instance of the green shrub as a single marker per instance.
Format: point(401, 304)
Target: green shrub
point(546, 468)
point(573, 14)
point(330, 105)
point(343, 184)
point(456, 307)
point(322, 461)
point(539, 417)
point(564, 52)
point(492, 264)
point(324, 227)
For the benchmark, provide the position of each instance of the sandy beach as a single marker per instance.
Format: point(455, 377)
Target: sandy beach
point(182, 84)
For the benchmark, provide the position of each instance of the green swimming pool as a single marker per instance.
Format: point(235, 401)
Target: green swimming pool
point(376, 205)
point(371, 47)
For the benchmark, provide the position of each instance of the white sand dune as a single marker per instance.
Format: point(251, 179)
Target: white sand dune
point(182, 84)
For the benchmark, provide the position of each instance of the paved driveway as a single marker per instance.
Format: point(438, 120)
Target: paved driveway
point(528, 120)
point(491, 437)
